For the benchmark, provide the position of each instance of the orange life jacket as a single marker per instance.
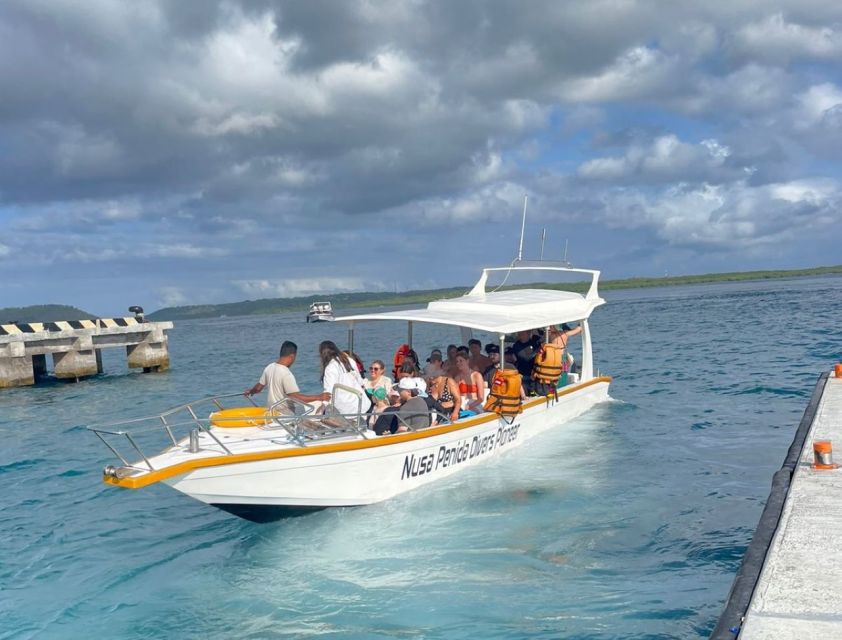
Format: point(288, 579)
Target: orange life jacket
point(504, 396)
point(400, 356)
point(548, 364)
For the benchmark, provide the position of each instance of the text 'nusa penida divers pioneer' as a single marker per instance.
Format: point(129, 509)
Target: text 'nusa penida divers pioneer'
point(448, 456)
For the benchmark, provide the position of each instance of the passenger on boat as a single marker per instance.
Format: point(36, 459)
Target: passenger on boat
point(357, 361)
point(561, 334)
point(377, 378)
point(408, 370)
point(493, 352)
point(450, 364)
point(478, 361)
point(525, 349)
point(434, 365)
point(380, 402)
point(412, 358)
point(412, 410)
point(509, 356)
point(445, 391)
point(471, 385)
point(280, 382)
point(337, 368)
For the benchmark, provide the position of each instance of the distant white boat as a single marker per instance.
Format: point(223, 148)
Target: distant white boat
point(320, 312)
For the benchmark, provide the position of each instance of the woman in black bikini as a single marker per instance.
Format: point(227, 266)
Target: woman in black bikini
point(446, 392)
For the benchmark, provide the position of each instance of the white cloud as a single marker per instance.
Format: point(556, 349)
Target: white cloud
point(171, 297)
point(820, 104)
point(256, 133)
point(666, 158)
point(83, 154)
point(496, 202)
point(293, 287)
point(179, 250)
point(237, 123)
point(121, 211)
point(751, 89)
point(637, 73)
point(776, 39)
point(86, 251)
point(728, 216)
point(388, 72)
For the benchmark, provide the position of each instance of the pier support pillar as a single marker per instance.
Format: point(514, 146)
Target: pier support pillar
point(16, 372)
point(77, 364)
point(150, 355)
point(39, 365)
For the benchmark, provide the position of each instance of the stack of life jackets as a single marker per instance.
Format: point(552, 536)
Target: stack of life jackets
point(504, 396)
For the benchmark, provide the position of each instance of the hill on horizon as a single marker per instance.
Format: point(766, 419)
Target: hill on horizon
point(373, 299)
point(43, 313)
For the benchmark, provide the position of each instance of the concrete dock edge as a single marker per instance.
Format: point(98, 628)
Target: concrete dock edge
point(739, 598)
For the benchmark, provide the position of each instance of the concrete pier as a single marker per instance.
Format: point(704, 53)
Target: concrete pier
point(76, 347)
point(794, 590)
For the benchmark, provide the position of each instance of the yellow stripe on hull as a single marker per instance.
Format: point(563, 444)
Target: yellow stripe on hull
point(158, 475)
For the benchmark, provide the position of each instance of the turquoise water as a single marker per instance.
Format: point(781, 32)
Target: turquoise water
point(628, 523)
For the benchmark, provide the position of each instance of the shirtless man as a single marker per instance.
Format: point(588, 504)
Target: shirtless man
point(477, 360)
point(278, 378)
point(560, 335)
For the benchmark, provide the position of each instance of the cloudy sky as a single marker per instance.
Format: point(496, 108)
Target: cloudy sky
point(184, 152)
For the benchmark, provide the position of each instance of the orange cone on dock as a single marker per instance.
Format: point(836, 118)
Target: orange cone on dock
point(823, 455)
point(837, 371)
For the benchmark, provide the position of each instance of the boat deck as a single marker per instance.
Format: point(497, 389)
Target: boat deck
point(799, 591)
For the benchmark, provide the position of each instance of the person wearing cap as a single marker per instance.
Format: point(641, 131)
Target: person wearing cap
point(493, 352)
point(509, 357)
point(526, 347)
point(412, 413)
point(379, 403)
point(435, 366)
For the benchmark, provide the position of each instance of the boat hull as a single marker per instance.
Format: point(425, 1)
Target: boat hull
point(268, 489)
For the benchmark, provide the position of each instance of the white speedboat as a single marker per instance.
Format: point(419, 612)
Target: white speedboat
point(263, 464)
point(320, 312)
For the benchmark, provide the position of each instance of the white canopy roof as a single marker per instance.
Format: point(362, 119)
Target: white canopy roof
point(498, 312)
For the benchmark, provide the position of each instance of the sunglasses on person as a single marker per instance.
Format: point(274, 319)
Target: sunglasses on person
point(374, 369)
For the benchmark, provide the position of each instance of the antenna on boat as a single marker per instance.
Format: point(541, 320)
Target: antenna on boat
point(543, 237)
point(522, 227)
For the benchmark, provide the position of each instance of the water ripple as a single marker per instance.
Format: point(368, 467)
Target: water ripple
point(629, 523)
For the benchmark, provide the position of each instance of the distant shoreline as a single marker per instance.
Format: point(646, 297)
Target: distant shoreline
point(377, 299)
point(49, 313)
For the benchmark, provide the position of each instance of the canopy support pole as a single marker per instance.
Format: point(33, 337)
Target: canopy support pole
point(587, 354)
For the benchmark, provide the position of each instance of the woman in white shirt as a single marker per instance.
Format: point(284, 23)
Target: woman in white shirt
point(337, 368)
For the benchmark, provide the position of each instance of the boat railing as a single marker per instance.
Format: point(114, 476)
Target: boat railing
point(174, 428)
point(173, 425)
